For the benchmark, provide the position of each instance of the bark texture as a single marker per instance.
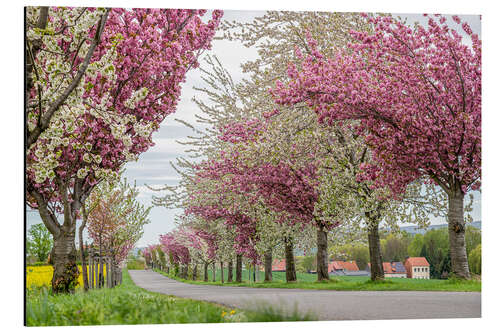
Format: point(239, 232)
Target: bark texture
point(195, 271)
point(222, 271)
point(322, 255)
point(213, 271)
point(100, 280)
point(230, 271)
point(239, 267)
point(205, 272)
point(376, 266)
point(291, 276)
point(456, 233)
point(268, 265)
point(63, 256)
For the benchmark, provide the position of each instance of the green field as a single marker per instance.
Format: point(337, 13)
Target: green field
point(129, 304)
point(308, 281)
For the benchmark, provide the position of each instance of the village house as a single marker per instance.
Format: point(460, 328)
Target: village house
point(394, 269)
point(417, 268)
point(347, 268)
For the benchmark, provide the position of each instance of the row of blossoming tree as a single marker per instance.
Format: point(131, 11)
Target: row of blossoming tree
point(99, 82)
point(343, 124)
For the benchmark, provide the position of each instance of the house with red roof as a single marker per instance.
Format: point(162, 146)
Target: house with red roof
point(394, 269)
point(350, 265)
point(335, 267)
point(345, 268)
point(417, 268)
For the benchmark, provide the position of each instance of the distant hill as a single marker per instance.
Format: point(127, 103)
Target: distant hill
point(416, 230)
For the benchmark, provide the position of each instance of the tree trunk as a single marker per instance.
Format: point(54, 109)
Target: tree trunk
point(268, 265)
point(205, 272)
point(376, 266)
point(213, 271)
point(322, 255)
point(101, 265)
point(254, 273)
point(185, 271)
point(456, 233)
point(290, 261)
point(230, 271)
point(63, 256)
point(239, 267)
point(82, 250)
point(222, 271)
point(63, 253)
point(195, 271)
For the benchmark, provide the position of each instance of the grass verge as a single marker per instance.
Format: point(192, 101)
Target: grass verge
point(128, 304)
point(307, 281)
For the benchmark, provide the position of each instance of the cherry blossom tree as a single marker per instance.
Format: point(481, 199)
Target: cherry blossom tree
point(255, 149)
point(99, 83)
point(172, 243)
point(116, 221)
point(416, 94)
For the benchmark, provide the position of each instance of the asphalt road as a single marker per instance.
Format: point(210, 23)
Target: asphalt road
point(325, 304)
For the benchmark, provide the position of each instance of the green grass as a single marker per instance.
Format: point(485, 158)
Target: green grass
point(129, 304)
point(308, 281)
point(135, 264)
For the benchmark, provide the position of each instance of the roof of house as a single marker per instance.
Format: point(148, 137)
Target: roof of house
point(387, 267)
point(279, 265)
point(335, 265)
point(350, 266)
point(395, 267)
point(417, 261)
point(342, 265)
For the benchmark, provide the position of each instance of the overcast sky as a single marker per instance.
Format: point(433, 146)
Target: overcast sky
point(153, 167)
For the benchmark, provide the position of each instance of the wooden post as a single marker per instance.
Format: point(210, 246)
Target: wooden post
point(96, 269)
point(99, 275)
point(108, 272)
point(91, 268)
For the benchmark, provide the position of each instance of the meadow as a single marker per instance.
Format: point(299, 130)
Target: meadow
point(308, 281)
point(128, 304)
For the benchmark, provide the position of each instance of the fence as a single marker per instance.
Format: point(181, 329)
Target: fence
point(102, 271)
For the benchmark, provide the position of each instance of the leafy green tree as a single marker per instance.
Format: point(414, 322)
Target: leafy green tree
point(39, 242)
point(415, 246)
point(475, 259)
point(355, 251)
point(307, 263)
point(472, 238)
point(445, 266)
point(436, 250)
point(361, 254)
point(395, 247)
